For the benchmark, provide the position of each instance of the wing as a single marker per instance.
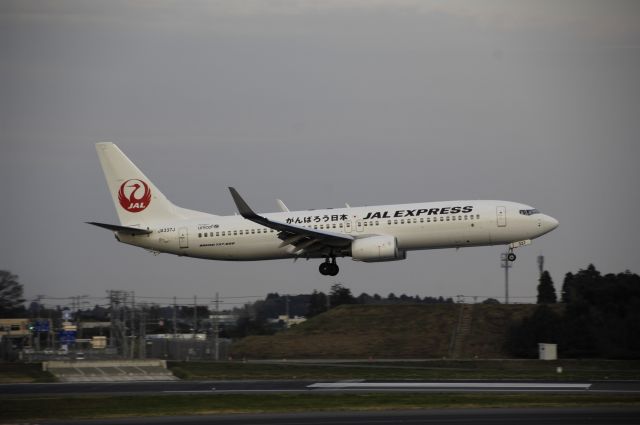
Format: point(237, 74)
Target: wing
point(306, 240)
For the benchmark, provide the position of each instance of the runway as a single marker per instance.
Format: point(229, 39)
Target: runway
point(308, 386)
point(555, 416)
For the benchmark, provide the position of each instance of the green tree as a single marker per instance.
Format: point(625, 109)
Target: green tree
point(567, 287)
point(546, 290)
point(340, 295)
point(542, 326)
point(317, 303)
point(11, 301)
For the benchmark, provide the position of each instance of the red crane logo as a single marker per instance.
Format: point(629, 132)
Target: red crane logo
point(127, 195)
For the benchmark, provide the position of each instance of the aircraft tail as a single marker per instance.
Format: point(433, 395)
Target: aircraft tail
point(138, 201)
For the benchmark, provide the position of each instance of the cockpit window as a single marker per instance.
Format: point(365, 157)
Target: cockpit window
point(529, 212)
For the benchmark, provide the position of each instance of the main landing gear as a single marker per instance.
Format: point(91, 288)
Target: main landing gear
point(511, 256)
point(329, 268)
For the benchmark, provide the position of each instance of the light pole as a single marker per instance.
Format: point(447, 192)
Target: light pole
point(506, 265)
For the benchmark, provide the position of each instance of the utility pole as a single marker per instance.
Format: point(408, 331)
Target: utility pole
point(142, 333)
point(287, 311)
point(119, 339)
point(133, 325)
point(506, 265)
point(195, 316)
point(39, 320)
point(112, 317)
point(122, 324)
point(540, 263)
point(216, 329)
point(174, 318)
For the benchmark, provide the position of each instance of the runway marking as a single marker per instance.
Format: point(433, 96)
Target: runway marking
point(491, 385)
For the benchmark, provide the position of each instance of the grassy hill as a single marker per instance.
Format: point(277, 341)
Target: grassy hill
point(390, 331)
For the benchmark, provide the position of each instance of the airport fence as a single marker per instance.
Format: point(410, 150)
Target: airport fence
point(186, 350)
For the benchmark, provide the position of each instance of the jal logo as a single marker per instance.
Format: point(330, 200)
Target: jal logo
point(134, 195)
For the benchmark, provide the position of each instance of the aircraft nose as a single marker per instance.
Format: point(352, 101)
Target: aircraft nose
point(549, 223)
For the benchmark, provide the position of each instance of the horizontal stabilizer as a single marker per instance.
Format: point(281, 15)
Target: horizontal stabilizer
point(123, 229)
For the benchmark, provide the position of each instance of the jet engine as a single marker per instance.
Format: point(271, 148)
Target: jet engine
point(376, 248)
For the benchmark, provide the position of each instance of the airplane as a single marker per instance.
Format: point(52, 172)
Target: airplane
point(368, 234)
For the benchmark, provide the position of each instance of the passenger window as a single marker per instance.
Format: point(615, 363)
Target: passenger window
point(222, 233)
point(341, 225)
point(377, 223)
point(428, 220)
point(389, 222)
point(441, 218)
point(453, 218)
point(253, 231)
point(402, 221)
point(334, 225)
point(447, 218)
point(199, 235)
point(235, 232)
point(395, 221)
point(365, 224)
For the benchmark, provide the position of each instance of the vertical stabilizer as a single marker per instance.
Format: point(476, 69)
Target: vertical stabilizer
point(138, 201)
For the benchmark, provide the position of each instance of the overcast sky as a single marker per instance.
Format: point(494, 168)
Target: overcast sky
point(318, 103)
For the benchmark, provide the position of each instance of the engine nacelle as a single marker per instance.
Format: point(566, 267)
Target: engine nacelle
point(376, 248)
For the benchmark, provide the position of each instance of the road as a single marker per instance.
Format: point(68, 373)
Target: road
point(307, 386)
point(555, 416)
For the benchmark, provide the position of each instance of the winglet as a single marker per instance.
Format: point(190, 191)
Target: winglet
point(282, 206)
point(243, 208)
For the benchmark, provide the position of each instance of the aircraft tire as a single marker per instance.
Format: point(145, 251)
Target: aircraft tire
point(511, 256)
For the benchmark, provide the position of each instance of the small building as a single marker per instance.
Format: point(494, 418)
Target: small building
point(288, 321)
point(14, 328)
point(99, 342)
point(547, 351)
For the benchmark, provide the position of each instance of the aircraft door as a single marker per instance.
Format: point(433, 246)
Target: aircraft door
point(501, 214)
point(347, 226)
point(183, 237)
point(359, 226)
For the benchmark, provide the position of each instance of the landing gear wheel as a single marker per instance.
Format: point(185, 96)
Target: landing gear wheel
point(511, 256)
point(325, 268)
point(329, 268)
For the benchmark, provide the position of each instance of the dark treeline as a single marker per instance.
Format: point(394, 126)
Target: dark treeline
point(254, 318)
point(600, 318)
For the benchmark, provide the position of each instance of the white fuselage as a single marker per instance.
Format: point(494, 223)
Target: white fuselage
point(431, 225)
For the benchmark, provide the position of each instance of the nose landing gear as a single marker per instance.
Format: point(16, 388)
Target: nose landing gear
point(329, 268)
point(510, 255)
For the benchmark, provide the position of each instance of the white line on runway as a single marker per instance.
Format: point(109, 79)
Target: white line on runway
point(488, 385)
point(236, 391)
